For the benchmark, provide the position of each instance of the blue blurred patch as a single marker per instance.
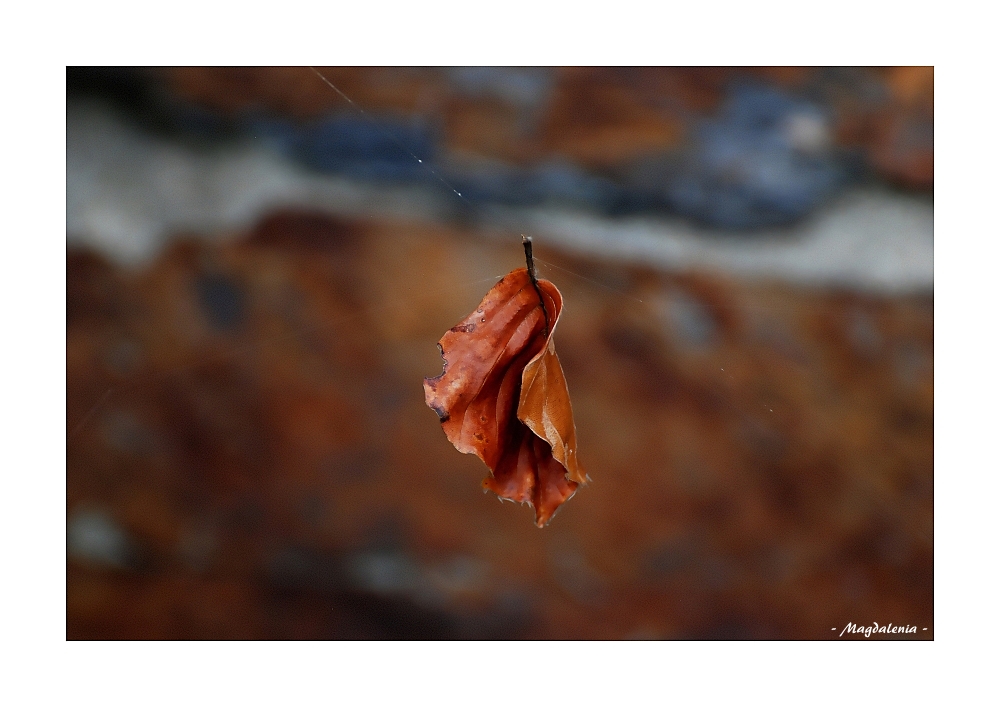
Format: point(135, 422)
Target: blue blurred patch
point(765, 160)
point(222, 301)
point(363, 147)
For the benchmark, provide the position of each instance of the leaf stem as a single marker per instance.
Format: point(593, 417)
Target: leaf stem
point(526, 242)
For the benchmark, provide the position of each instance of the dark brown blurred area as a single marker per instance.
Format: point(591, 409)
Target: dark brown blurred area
point(249, 454)
point(264, 465)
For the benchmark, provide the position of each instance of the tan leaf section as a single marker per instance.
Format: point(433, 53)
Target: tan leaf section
point(503, 397)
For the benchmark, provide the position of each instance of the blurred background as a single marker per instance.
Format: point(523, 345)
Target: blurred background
point(259, 266)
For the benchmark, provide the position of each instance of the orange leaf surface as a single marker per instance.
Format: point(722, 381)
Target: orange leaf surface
point(502, 395)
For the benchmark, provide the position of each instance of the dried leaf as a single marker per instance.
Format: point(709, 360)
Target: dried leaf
point(502, 395)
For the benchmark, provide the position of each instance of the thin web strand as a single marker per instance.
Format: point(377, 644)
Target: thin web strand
point(590, 280)
point(386, 134)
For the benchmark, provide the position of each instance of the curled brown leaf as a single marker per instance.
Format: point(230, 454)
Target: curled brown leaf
point(503, 397)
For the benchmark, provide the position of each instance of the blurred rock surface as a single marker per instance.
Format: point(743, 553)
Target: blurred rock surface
point(258, 273)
